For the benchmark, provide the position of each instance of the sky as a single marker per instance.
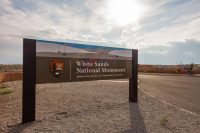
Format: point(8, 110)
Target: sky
point(164, 31)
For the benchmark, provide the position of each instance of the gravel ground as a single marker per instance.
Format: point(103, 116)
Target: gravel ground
point(93, 106)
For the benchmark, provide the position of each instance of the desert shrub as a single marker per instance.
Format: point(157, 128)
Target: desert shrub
point(164, 120)
point(5, 90)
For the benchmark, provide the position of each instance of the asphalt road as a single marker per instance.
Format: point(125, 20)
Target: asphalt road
point(182, 91)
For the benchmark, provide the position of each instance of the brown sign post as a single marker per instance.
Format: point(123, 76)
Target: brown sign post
point(29, 80)
point(133, 81)
point(55, 62)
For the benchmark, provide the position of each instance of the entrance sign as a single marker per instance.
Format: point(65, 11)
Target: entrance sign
point(67, 62)
point(55, 62)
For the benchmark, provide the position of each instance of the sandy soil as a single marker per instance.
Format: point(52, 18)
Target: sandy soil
point(94, 106)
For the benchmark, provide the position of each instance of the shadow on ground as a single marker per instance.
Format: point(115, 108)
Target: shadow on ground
point(136, 120)
point(18, 128)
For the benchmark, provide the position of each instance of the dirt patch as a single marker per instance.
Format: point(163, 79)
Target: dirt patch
point(10, 76)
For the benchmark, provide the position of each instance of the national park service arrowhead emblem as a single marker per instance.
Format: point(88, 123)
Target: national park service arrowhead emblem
point(56, 67)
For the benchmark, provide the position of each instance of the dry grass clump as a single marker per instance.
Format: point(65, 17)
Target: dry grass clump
point(164, 120)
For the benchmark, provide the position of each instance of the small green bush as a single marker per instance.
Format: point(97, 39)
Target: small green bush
point(5, 90)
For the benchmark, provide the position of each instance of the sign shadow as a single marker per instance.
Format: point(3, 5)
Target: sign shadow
point(136, 120)
point(18, 128)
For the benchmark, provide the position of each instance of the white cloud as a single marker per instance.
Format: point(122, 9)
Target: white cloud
point(176, 52)
point(168, 22)
point(10, 50)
